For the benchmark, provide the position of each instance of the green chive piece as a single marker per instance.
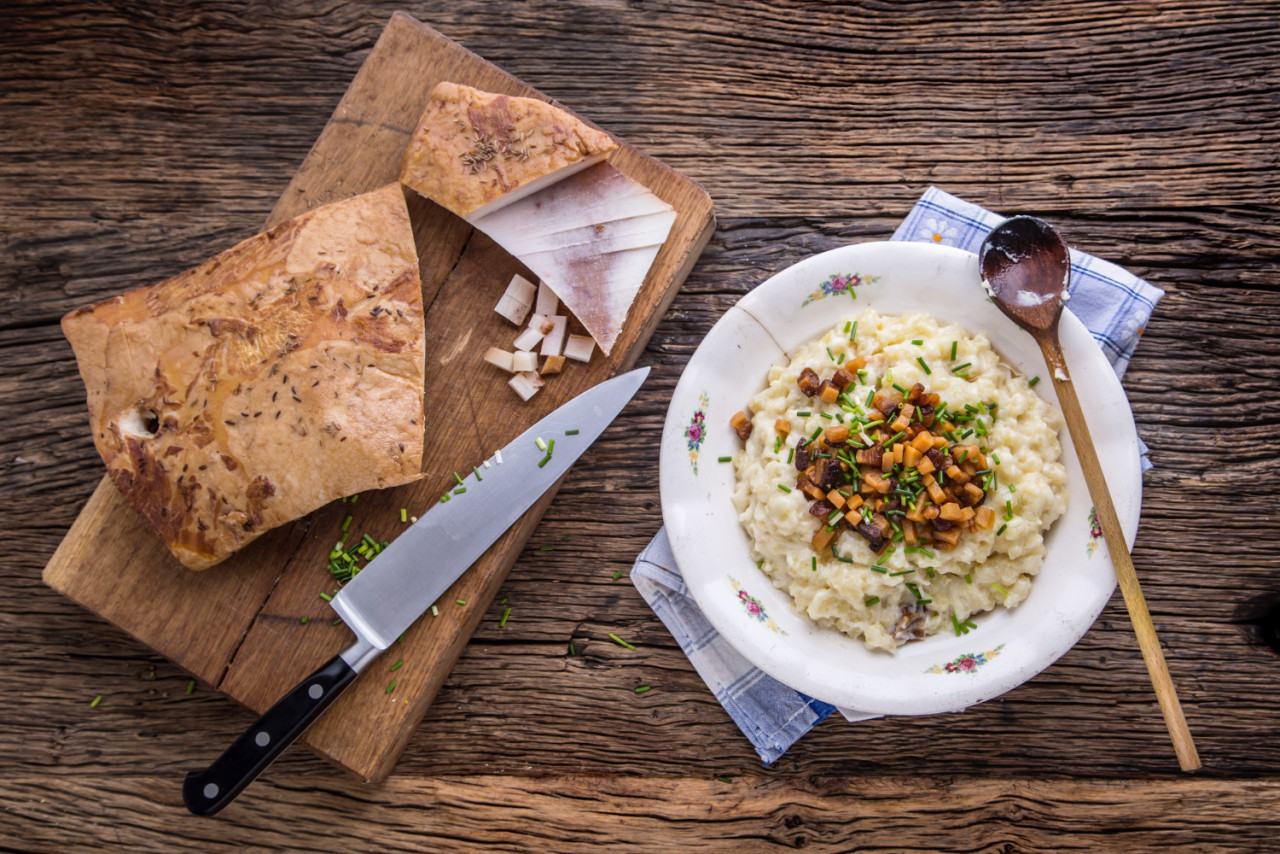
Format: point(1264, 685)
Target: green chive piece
point(1031, 383)
point(923, 366)
point(830, 355)
point(784, 487)
point(620, 642)
point(391, 686)
point(917, 341)
point(458, 478)
point(871, 601)
point(1000, 590)
point(968, 579)
point(572, 432)
point(803, 414)
point(1008, 511)
point(404, 515)
point(959, 368)
point(445, 497)
point(477, 474)
point(871, 395)
point(791, 454)
point(726, 459)
point(542, 462)
point(572, 650)
point(460, 490)
point(899, 388)
point(191, 687)
point(397, 665)
point(617, 575)
point(96, 700)
point(1002, 527)
point(640, 689)
point(854, 331)
point(815, 563)
point(461, 601)
point(542, 446)
point(325, 596)
point(304, 621)
point(546, 548)
point(435, 612)
point(901, 572)
point(953, 351)
point(346, 523)
point(723, 779)
point(506, 612)
point(355, 498)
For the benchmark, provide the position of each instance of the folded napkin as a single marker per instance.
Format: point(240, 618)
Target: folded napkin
point(1111, 302)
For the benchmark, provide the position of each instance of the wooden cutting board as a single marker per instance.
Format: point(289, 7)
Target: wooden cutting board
point(239, 626)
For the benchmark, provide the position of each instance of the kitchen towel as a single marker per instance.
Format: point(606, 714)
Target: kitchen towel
point(1111, 302)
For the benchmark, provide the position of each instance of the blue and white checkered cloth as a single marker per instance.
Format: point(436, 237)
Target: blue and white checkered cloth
point(1111, 302)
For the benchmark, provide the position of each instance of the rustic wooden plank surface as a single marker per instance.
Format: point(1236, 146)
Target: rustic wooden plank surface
point(133, 141)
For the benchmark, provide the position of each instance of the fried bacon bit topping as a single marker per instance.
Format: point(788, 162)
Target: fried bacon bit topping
point(892, 470)
point(742, 424)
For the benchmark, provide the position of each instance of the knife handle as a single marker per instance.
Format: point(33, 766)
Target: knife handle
point(207, 792)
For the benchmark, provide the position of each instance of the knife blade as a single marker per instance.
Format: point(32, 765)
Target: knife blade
point(402, 582)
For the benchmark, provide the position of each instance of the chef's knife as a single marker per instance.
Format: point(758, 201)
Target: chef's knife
point(402, 582)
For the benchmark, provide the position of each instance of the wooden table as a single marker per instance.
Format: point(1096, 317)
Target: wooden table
point(133, 144)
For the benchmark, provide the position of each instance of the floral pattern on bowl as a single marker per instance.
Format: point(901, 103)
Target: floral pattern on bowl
point(755, 607)
point(839, 285)
point(696, 432)
point(966, 663)
point(1095, 532)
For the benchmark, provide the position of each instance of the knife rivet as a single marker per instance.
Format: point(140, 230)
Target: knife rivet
point(210, 790)
point(262, 739)
point(314, 692)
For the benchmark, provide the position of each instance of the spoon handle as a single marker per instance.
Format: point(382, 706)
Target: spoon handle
point(1183, 745)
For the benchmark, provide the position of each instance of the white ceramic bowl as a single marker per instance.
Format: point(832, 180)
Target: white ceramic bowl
point(943, 672)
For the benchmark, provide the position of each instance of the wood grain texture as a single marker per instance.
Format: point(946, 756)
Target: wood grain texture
point(258, 624)
point(1148, 132)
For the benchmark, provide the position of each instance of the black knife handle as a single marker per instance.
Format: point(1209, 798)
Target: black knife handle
point(207, 792)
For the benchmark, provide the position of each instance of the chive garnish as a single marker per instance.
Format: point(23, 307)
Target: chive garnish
point(871, 395)
point(191, 687)
point(953, 351)
point(619, 641)
point(304, 621)
point(959, 368)
point(899, 388)
point(542, 446)
point(871, 601)
point(572, 432)
point(346, 523)
point(917, 341)
point(460, 601)
point(784, 487)
point(391, 686)
point(1008, 511)
point(1000, 590)
point(803, 414)
point(923, 366)
point(791, 454)
point(325, 596)
point(96, 700)
point(404, 515)
point(477, 473)
point(814, 564)
point(854, 331)
point(546, 548)
point(506, 612)
point(459, 490)
point(880, 569)
point(1032, 382)
point(640, 689)
point(901, 572)
point(397, 665)
point(617, 575)
point(968, 579)
point(572, 650)
point(458, 478)
point(830, 355)
point(1002, 527)
point(542, 462)
point(726, 459)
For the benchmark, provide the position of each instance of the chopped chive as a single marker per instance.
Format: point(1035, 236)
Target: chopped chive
point(899, 388)
point(840, 359)
point(854, 331)
point(542, 462)
point(871, 601)
point(844, 559)
point(477, 473)
point(304, 621)
point(620, 642)
point(847, 324)
point(814, 563)
point(506, 612)
point(960, 630)
point(901, 572)
point(996, 457)
point(640, 689)
point(458, 478)
point(459, 490)
point(404, 515)
point(346, 523)
point(445, 497)
point(880, 569)
point(96, 700)
point(397, 665)
point(830, 355)
point(542, 446)
point(355, 498)
point(461, 601)
point(1000, 590)
point(923, 366)
point(572, 432)
point(928, 570)
point(1008, 511)
point(723, 779)
point(572, 650)
point(546, 548)
point(803, 414)
point(791, 454)
point(968, 579)
point(1002, 527)
point(953, 351)
point(917, 341)
point(871, 395)
point(784, 487)
point(325, 596)
point(191, 687)
point(435, 611)
point(391, 686)
point(726, 459)
point(777, 443)
point(1031, 383)
point(959, 368)
point(617, 575)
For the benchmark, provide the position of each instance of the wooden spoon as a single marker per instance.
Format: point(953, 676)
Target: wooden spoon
point(1026, 268)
